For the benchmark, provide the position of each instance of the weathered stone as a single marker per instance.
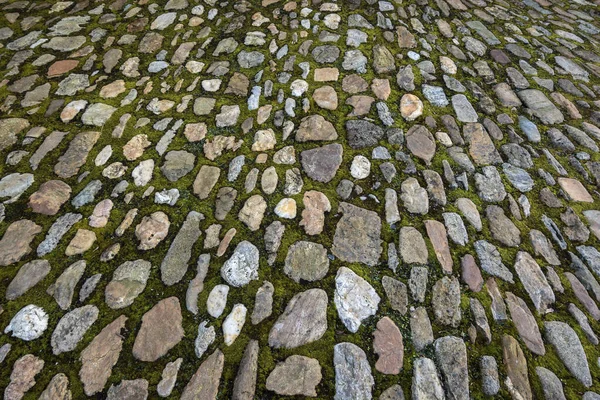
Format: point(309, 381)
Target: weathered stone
point(174, 265)
point(353, 377)
point(297, 375)
point(357, 235)
point(388, 344)
point(161, 330)
point(72, 327)
point(306, 261)
point(303, 321)
point(100, 356)
point(129, 280)
point(204, 384)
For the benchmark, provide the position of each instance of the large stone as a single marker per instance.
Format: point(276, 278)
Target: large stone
point(161, 330)
point(354, 298)
point(28, 276)
point(72, 327)
point(63, 288)
point(244, 385)
point(205, 181)
point(152, 230)
point(50, 196)
point(253, 211)
point(388, 345)
point(57, 389)
point(516, 368)
point(358, 235)
point(16, 241)
point(426, 382)
point(204, 384)
point(540, 106)
point(451, 355)
point(525, 323)
point(136, 389)
point(420, 142)
point(29, 323)
point(22, 377)
point(534, 281)
point(76, 155)
point(446, 301)
point(322, 163)
point(315, 128)
point(14, 185)
point(9, 129)
point(437, 234)
point(361, 133)
point(353, 377)
point(306, 261)
point(569, 349)
point(128, 281)
point(242, 266)
point(100, 356)
point(296, 376)
point(175, 264)
point(303, 321)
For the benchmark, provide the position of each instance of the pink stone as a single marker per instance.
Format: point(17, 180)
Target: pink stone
point(387, 343)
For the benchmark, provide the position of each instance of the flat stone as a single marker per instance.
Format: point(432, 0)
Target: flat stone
point(569, 349)
point(296, 376)
point(72, 327)
point(306, 261)
point(242, 266)
point(28, 276)
point(534, 281)
point(244, 385)
point(161, 330)
point(100, 356)
point(353, 377)
point(451, 355)
point(303, 321)
point(525, 323)
point(22, 377)
point(29, 323)
point(516, 367)
point(388, 345)
point(152, 230)
point(357, 235)
point(204, 384)
point(355, 298)
point(420, 142)
point(175, 264)
point(128, 281)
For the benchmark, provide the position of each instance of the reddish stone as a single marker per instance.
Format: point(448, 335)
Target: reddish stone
point(437, 234)
point(471, 275)
point(61, 67)
point(387, 343)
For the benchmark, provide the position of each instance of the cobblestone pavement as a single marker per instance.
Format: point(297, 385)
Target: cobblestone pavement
point(361, 199)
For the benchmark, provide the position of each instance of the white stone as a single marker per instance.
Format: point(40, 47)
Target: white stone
point(234, 323)
point(29, 323)
point(217, 300)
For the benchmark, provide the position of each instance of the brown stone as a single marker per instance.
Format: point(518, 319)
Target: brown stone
point(381, 88)
point(100, 356)
point(525, 323)
point(22, 377)
point(204, 384)
point(388, 344)
point(439, 239)
point(326, 97)
point(61, 67)
point(420, 142)
point(326, 74)
point(471, 275)
point(575, 190)
point(50, 196)
point(316, 204)
point(315, 128)
point(161, 330)
point(361, 105)
point(516, 368)
point(16, 240)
